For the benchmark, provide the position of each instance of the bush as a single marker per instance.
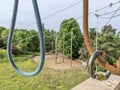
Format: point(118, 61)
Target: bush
point(14, 49)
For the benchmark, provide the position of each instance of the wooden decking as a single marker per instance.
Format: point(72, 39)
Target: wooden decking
point(92, 84)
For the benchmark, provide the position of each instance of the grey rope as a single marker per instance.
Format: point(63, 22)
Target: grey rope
point(41, 39)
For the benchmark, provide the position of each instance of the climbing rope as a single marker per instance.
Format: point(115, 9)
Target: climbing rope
point(41, 39)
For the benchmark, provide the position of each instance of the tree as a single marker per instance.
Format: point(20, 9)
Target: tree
point(33, 42)
point(107, 41)
point(68, 26)
point(19, 39)
point(1, 30)
point(92, 33)
point(117, 42)
point(26, 40)
point(49, 39)
point(4, 37)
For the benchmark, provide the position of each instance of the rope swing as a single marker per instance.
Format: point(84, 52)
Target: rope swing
point(41, 40)
point(110, 67)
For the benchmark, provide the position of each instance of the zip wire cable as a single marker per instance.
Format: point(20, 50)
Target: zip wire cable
point(41, 39)
point(112, 16)
point(111, 4)
point(109, 12)
point(59, 11)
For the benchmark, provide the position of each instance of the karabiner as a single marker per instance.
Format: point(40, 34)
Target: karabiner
point(41, 40)
point(91, 65)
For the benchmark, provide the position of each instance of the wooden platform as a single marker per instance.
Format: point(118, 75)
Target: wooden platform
point(92, 84)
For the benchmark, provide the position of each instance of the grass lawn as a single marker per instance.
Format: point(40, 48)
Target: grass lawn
point(48, 79)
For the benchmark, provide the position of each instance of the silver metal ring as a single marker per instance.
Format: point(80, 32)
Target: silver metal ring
point(91, 65)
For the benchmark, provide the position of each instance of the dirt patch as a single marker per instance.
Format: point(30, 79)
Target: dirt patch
point(58, 63)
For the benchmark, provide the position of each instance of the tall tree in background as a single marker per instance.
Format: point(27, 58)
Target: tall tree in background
point(53, 36)
point(92, 34)
point(33, 42)
point(19, 39)
point(68, 26)
point(84, 54)
point(49, 39)
point(107, 41)
point(3, 39)
point(4, 36)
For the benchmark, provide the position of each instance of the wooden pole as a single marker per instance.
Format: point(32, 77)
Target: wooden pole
point(71, 48)
point(56, 50)
point(63, 46)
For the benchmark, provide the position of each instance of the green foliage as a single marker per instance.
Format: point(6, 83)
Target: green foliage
point(49, 40)
point(84, 54)
point(65, 35)
point(33, 43)
point(28, 40)
point(111, 60)
point(20, 39)
point(1, 42)
point(4, 36)
point(92, 33)
point(107, 41)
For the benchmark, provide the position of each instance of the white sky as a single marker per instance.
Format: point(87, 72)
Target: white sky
point(26, 19)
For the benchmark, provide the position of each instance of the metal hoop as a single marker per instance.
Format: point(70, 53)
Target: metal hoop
point(41, 39)
point(91, 65)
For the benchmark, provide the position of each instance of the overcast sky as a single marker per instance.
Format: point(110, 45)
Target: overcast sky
point(26, 19)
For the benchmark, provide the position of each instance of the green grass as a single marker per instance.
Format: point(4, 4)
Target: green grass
point(3, 55)
point(47, 79)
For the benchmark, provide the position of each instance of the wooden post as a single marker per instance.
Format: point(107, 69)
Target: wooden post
point(71, 48)
point(45, 44)
point(63, 46)
point(51, 47)
point(56, 50)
